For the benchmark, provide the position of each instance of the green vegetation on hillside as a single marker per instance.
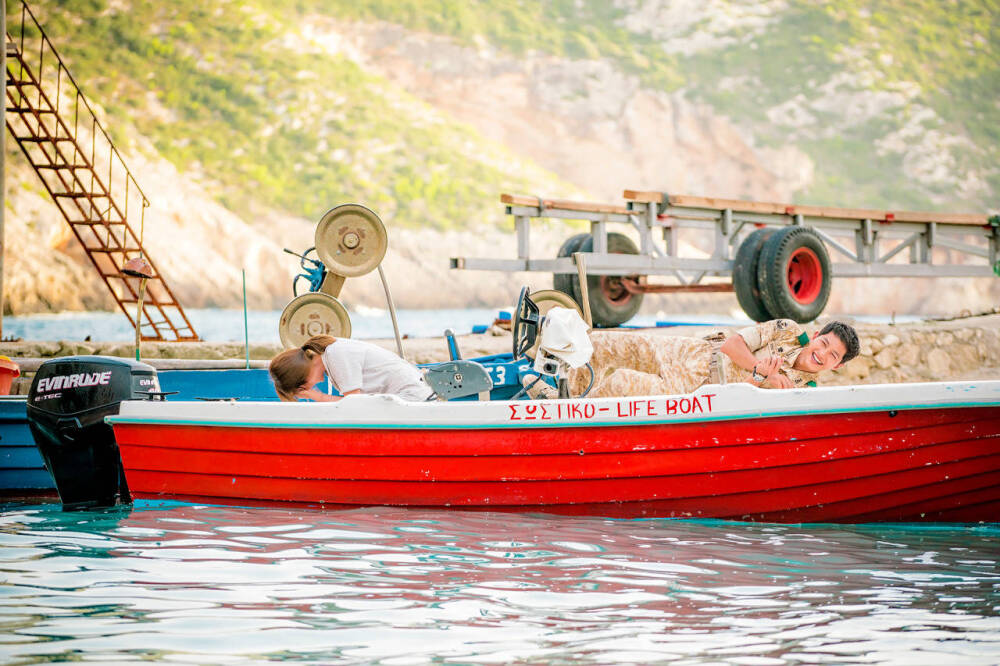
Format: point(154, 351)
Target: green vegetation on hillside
point(951, 50)
point(300, 131)
point(301, 128)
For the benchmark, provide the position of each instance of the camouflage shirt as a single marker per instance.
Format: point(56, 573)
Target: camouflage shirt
point(778, 337)
point(629, 364)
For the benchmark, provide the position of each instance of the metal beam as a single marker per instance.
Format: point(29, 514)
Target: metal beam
point(631, 264)
point(3, 153)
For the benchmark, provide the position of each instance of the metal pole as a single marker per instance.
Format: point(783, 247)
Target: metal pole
point(581, 270)
point(3, 152)
point(138, 319)
point(246, 327)
point(392, 311)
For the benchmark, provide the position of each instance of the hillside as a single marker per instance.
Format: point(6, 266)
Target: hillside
point(246, 121)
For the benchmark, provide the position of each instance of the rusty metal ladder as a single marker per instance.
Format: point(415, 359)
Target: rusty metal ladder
point(82, 170)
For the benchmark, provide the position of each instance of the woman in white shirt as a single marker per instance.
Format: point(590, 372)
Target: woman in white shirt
point(353, 367)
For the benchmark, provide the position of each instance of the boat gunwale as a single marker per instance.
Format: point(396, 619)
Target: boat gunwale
point(318, 425)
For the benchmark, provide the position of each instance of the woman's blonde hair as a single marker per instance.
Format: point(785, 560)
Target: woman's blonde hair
point(290, 369)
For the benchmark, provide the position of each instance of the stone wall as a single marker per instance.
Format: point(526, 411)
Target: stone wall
point(925, 351)
point(918, 352)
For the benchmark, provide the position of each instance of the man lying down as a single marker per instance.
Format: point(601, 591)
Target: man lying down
point(774, 354)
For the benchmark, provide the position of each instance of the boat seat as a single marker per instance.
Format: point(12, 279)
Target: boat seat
point(459, 379)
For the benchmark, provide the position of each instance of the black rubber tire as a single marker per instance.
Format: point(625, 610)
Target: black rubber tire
point(773, 274)
point(566, 282)
point(607, 312)
point(745, 274)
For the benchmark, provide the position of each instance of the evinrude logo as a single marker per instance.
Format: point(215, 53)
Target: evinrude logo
point(81, 379)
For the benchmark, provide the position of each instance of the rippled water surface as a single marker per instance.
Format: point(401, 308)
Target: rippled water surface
point(192, 584)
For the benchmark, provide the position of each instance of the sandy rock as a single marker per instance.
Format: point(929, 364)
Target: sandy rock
point(964, 358)
point(890, 340)
point(908, 354)
point(944, 339)
point(938, 363)
point(73, 348)
point(856, 370)
point(876, 346)
point(964, 334)
point(885, 358)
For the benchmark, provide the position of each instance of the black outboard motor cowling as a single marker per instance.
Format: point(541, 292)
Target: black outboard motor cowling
point(67, 403)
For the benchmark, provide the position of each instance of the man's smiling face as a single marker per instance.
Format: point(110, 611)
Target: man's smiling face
point(824, 352)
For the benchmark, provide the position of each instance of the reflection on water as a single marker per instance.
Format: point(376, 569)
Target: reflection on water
point(188, 584)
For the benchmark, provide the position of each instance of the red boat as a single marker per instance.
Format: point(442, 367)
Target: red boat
point(912, 452)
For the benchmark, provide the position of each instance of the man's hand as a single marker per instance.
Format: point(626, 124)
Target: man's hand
point(770, 367)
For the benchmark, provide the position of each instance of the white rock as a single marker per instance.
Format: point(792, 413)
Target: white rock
point(885, 359)
point(938, 363)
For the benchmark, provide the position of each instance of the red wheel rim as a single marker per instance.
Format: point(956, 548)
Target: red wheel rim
point(805, 275)
point(613, 289)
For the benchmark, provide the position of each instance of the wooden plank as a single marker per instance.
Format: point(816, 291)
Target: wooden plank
point(563, 204)
point(518, 200)
point(844, 213)
point(772, 208)
point(644, 197)
point(943, 218)
point(687, 201)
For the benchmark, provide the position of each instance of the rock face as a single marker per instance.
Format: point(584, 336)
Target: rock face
point(587, 121)
point(925, 351)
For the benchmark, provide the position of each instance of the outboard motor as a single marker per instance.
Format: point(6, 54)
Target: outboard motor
point(67, 403)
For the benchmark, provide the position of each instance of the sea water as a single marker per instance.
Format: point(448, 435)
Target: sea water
point(215, 325)
point(195, 584)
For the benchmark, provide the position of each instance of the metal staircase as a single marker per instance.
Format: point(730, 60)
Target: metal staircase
point(85, 174)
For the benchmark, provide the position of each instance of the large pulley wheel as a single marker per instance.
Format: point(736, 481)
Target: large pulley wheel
point(312, 314)
point(745, 274)
point(351, 240)
point(611, 304)
point(793, 274)
point(565, 282)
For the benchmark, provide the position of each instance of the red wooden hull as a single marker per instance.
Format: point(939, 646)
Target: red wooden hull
point(913, 465)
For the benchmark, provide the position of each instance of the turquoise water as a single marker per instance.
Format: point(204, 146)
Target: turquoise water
point(216, 325)
point(191, 584)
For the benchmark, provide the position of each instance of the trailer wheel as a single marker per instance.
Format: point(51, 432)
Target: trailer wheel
point(745, 274)
point(610, 303)
point(793, 274)
point(565, 282)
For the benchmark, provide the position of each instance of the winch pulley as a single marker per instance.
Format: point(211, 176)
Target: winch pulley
point(350, 241)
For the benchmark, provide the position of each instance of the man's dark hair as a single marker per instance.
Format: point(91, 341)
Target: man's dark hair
point(847, 335)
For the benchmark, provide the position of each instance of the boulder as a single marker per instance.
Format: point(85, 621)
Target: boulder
point(938, 363)
point(890, 340)
point(908, 354)
point(885, 359)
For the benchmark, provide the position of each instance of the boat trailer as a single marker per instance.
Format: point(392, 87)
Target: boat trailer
point(776, 255)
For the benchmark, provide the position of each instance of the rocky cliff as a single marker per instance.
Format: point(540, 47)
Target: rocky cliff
point(244, 124)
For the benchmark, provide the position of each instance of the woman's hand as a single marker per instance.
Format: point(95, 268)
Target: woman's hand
point(314, 395)
point(770, 367)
